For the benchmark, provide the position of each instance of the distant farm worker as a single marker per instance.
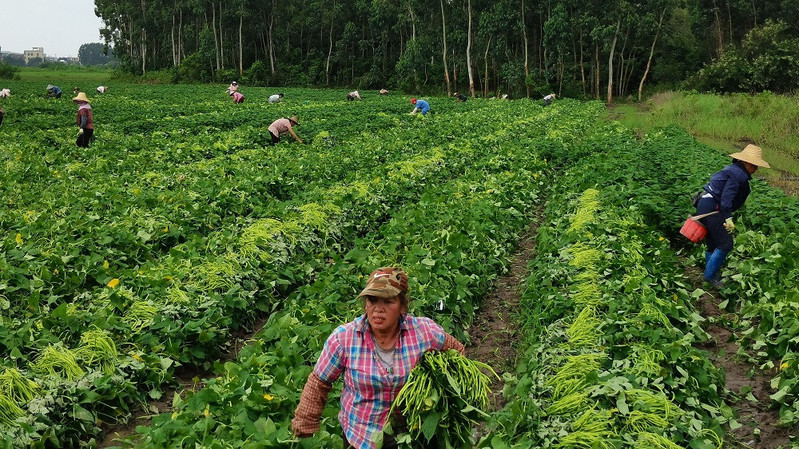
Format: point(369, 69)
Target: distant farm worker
point(460, 97)
point(374, 354)
point(84, 120)
point(5, 93)
point(234, 87)
point(276, 98)
point(420, 106)
point(238, 97)
point(383, 92)
point(102, 89)
point(726, 192)
point(282, 126)
point(548, 99)
point(75, 90)
point(354, 95)
point(53, 91)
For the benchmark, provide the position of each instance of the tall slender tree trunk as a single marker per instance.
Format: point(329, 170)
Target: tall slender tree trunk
point(174, 47)
point(610, 62)
point(651, 53)
point(413, 22)
point(241, 40)
point(271, 40)
point(526, 66)
point(582, 62)
point(216, 38)
point(469, 49)
point(181, 53)
point(329, 54)
point(597, 75)
point(143, 37)
point(221, 43)
point(620, 83)
point(719, 31)
point(485, 61)
point(444, 50)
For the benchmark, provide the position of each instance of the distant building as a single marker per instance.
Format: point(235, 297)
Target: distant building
point(33, 53)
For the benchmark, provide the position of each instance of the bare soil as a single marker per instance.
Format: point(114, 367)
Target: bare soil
point(493, 332)
point(123, 434)
point(759, 422)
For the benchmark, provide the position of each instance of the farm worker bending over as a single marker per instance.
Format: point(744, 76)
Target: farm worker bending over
point(282, 126)
point(548, 99)
point(102, 89)
point(84, 120)
point(375, 353)
point(276, 98)
point(726, 192)
point(5, 93)
point(354, 95)
point(238, 97)
point(383, 92)
point(420, 105)
point(460, 97)
point(53, 91)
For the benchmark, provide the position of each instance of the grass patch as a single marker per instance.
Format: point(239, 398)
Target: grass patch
point(67, 76)
point(727, 122)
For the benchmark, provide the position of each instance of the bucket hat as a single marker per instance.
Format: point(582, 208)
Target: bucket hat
point(752, 154)
point(81, 97)
point(413, 100)
point(386, 282)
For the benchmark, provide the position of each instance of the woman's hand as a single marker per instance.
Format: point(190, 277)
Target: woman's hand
point(729, 225)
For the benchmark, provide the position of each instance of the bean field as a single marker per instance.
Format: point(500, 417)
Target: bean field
point(126, 265)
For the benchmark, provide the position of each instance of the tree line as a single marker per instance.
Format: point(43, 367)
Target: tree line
point(598, 49)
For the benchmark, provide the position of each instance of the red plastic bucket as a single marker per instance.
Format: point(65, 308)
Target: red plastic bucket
point(693, 230)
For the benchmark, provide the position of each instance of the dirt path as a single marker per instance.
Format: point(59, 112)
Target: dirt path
point(187, 380)
point(748, 387)
point(493, 332)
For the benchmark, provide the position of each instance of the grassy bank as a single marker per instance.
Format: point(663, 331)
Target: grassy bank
point(727, 122)
point(66, 75)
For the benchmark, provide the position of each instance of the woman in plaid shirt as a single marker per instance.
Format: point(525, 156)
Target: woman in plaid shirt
point(375, 353)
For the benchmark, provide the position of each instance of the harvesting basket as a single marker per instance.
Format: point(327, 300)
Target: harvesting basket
point(693, 230)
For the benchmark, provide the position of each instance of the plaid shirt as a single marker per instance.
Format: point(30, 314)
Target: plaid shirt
point(370, 389)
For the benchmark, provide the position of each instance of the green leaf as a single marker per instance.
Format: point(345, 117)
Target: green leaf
point(430, 425)
point(621, 404)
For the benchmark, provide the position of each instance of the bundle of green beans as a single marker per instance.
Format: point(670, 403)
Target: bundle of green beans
point(444, 396)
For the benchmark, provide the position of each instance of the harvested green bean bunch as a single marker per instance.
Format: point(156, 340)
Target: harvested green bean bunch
point(445, 394)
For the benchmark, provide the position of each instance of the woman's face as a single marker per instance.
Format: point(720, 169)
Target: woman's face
point(384, 313)
point(750, 168)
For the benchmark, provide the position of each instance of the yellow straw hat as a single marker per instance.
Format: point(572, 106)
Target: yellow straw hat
point(752, 154)
point(81, 97)
point(294, 119)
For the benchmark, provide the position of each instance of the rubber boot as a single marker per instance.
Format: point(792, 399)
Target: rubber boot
point(714, 265)
point(707, 256)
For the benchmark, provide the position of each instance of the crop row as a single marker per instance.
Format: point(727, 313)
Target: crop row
point(453, 242)
point(184, 306)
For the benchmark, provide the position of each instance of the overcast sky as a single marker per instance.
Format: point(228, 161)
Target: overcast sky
point(60, 26)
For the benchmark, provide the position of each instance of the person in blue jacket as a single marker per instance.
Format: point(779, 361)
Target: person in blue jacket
point(726, 192)
point(53, 91)
point(420, 105)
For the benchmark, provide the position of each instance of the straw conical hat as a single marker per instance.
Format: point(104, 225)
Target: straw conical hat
point(752, 154)
point(81, 97)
